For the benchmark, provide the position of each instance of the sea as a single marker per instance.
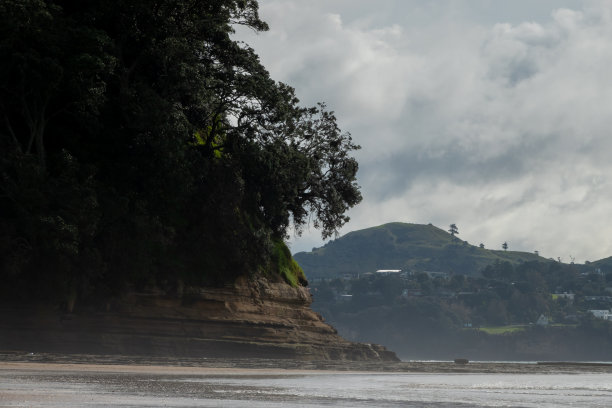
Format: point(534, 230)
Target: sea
point(24, 386)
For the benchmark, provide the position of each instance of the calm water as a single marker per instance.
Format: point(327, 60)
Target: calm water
point(23, 388)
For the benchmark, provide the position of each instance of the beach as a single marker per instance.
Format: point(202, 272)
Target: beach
point(111, 381)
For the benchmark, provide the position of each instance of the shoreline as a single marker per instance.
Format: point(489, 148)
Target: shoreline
point(18, 361)
point(251, 384)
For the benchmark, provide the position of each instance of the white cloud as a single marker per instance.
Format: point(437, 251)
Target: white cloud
point(502, 128)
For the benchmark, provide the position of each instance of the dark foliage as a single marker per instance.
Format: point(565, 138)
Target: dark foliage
point(426, 317)
point(140, 146)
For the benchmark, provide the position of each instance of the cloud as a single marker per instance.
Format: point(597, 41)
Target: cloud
point(500, 127)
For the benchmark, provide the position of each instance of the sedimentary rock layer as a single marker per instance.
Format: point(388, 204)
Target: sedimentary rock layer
point(251, 318)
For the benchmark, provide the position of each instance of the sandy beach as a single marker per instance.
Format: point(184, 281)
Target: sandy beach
point(31, 380)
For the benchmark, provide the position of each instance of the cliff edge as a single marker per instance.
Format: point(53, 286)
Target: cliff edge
point(252, 318)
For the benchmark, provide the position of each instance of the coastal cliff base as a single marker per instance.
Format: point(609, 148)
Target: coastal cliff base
point(253, 318)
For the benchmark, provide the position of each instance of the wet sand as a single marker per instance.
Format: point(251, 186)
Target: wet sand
point(53, 380)
point(179, 366)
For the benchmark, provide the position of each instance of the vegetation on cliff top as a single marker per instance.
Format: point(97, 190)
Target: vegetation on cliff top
point(141, 146)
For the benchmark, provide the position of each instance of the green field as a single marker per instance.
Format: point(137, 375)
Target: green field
point(502, 329)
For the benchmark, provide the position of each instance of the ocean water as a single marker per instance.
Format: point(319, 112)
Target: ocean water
point(248, 389)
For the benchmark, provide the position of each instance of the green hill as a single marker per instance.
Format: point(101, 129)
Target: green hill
point(605, 265)
point(410, 247)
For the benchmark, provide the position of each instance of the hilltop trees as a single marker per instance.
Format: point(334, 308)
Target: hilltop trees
point(453, 230)
point(140, 145)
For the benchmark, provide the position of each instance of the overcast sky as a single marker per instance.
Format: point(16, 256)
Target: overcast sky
point(492, 115)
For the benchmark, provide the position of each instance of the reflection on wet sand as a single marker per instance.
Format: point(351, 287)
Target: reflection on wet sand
point(104, 381)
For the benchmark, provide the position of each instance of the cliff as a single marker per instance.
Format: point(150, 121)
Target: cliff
point(251, 318)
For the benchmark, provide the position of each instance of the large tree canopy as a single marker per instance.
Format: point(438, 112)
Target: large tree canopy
point(141, 145)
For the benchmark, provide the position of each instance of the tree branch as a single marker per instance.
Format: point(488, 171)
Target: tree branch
point(12, 133)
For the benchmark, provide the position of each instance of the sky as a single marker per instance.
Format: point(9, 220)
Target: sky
point(495, 116)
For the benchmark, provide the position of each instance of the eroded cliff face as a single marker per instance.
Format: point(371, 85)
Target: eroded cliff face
point(253, 318)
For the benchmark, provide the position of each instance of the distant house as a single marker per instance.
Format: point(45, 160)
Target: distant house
point(441, 275)
point(542, 320)
point(602, 314)
point(388, 271)
point(564, 295)
point(406, 293)
point(598, 298)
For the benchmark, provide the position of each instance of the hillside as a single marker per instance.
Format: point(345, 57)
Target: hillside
point(497, 305)
point(605, 265)
point(414, 247)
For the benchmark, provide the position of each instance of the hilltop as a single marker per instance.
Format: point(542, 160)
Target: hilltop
point(414, 247)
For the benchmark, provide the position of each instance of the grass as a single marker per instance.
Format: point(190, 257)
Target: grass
point(496, 330)
point(286, 266)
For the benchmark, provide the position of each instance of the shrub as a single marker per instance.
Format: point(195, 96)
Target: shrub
point(286, 266)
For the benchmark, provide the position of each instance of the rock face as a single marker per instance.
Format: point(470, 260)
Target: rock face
point(253, 318)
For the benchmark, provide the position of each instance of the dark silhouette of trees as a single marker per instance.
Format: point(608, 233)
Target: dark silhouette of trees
point(453, 230)
point(141, 145)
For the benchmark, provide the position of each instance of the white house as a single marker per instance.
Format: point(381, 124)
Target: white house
point(602, 314)
point(388, 271)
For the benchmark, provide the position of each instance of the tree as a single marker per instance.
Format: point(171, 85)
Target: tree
point(54, 68)
point(141, 145)
point(453, 230)
point(481, 246)
point(457, 282)
point(505, 246)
